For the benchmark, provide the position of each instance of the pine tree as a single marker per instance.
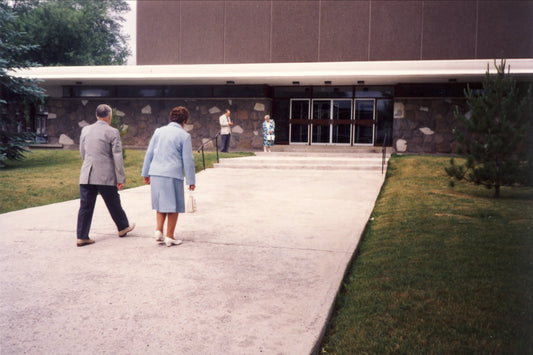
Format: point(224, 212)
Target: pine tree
point(16, 94)
point(492, 135)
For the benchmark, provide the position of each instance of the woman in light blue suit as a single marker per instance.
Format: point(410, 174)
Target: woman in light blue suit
point(167, 162)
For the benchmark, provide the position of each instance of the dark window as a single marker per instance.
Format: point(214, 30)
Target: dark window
point(292, 91)
point(67, 91)
point(197, 91)
point(239, 91)
point(140, 91)
point(334, 92)
point(374, 91)
point(433, 90)
point(93, 91)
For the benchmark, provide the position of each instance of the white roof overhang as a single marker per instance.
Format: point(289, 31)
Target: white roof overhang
point(279, 74)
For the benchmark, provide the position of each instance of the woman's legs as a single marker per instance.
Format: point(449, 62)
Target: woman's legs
point(171, 225)
point(160, 219)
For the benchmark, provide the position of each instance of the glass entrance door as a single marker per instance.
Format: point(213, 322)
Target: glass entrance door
point(320, 123)
point(331, 121)
point(364, 121)
point(342, 124)
point(299, 121)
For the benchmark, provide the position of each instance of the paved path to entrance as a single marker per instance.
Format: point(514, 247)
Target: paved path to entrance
point(259, 270)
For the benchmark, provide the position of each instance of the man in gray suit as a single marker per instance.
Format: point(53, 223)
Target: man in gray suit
point(102, 172)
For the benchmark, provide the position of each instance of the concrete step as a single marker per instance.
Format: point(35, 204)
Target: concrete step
point(331, 149)
point(323, 154)
point(292, 160)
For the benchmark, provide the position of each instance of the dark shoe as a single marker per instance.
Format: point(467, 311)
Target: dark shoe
point(82, 242)
point(125, 231)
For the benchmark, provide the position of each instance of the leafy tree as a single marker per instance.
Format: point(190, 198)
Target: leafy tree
point(50, 32)
point(73, 32)
point(492, 135)
point(16, 94)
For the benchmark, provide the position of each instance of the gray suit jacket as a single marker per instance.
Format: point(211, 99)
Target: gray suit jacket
point(101, 151)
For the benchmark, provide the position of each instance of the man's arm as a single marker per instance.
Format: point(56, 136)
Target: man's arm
point(116, 145)
point(82, 143)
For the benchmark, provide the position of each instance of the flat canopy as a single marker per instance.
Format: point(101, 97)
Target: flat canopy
point(279, 74)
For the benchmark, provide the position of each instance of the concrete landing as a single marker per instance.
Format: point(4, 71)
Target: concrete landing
point(313, 161)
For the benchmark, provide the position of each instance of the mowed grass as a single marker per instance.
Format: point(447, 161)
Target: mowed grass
point(50, 176)
point(440, 270)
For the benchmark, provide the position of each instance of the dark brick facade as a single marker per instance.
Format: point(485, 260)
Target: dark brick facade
point(272, 31)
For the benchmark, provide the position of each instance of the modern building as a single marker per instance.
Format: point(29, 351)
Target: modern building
point(329, 72)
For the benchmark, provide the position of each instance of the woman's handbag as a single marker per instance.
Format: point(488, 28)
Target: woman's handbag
point(271, 137)
point(191, 203)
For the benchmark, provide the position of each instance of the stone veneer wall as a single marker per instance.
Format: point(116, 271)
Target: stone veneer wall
point(142, 116)
point(425, 125)
point(421, 125)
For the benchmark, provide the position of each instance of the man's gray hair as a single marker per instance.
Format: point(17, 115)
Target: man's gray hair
point(103, 110)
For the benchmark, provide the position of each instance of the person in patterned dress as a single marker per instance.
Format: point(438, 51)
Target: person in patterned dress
point(268, 133)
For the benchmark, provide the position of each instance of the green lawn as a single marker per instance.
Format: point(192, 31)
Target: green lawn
point(49, 176)
point(440, 270)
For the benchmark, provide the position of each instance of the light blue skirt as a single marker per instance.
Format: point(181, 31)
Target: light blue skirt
point(167, 194)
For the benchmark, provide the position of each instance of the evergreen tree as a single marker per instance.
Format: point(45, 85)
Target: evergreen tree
point(16, 94)
point(492, 135)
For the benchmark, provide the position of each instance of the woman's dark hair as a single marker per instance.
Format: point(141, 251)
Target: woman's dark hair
point(179, 114)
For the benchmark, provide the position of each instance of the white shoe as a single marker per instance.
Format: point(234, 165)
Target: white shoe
point(158, 236)
point(169, 241)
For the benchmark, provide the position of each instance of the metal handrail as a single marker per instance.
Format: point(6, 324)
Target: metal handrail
point(215, 138)
point(383, 153)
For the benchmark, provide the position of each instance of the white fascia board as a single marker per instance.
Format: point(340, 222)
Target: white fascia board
point(339, 73)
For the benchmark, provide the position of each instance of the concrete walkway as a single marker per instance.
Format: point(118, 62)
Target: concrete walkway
point(259, 270)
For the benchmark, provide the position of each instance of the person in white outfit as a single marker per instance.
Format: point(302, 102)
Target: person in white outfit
point(225, 131)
